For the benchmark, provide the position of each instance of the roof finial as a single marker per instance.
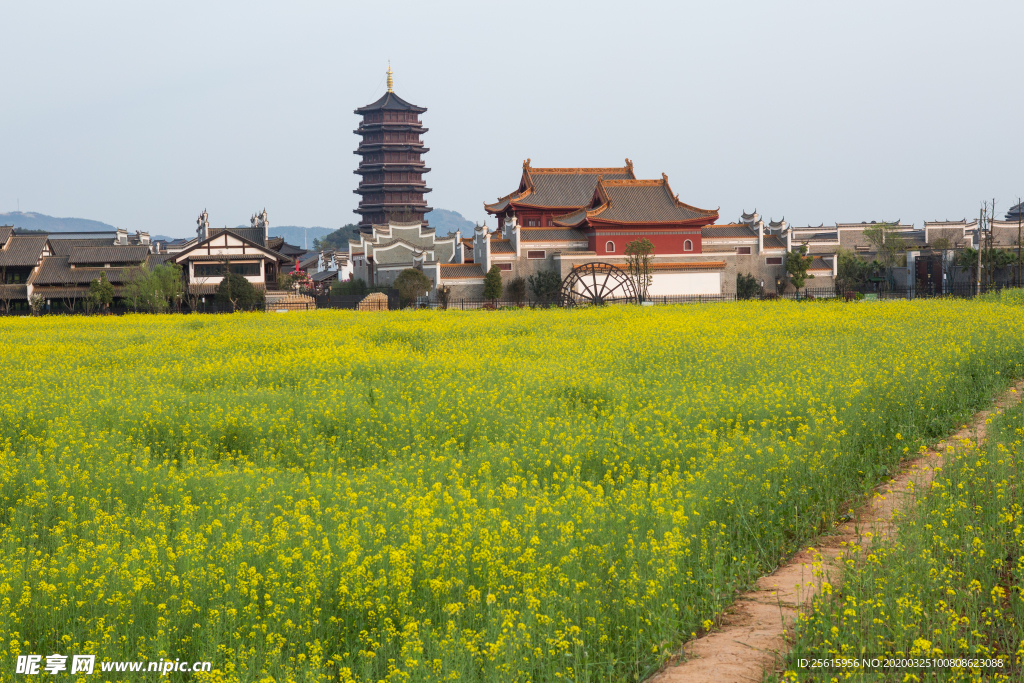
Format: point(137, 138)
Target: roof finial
point(391, 81)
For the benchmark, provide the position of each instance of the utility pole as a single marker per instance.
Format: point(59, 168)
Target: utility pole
point(1018, 241)
point(981, 223)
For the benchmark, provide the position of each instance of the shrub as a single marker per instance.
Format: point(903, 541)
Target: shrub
point(411, 284)
point(517, 291)
point(238, 292)
point(545, 286)
point(354, 287)
point(747, 286)
point(492, 284)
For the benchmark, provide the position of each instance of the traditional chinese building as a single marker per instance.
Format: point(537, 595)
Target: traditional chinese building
point(391, 166)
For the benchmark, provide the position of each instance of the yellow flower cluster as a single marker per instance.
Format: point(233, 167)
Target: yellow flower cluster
point(947, 587)
point(522, 495)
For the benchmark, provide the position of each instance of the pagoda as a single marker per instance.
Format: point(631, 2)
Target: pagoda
point(392, 161)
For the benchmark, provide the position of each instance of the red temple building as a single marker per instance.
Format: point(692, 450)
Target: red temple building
point(621, 211)
point(392, 166)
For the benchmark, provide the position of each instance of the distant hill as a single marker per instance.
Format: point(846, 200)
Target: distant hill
point(44, 223)
point(297, 234)
point(444, 222)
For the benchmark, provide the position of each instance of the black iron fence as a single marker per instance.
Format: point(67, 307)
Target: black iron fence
point(869, 292)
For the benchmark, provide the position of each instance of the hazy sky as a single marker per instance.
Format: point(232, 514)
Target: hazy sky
point(143, 114)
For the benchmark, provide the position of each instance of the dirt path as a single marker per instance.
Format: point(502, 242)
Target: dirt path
point(751, 637)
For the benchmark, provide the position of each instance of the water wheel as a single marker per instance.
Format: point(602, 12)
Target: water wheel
point(596, 284)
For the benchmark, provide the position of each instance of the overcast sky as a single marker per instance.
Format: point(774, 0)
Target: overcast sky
point(143, 114)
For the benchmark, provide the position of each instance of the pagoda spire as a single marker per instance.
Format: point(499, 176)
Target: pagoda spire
point(391, 81)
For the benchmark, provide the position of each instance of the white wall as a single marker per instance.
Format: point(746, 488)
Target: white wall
point(669, 284)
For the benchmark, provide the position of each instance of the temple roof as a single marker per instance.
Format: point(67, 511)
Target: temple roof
point(5, 232)
point(391, 102)
point(637, 201)
point(559, 188)
point(774, 242)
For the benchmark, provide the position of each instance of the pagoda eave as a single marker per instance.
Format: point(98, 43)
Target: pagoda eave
point(391, 208)
point(389, 128)
point(389, 147)
point(378, 166)
point(367, 190)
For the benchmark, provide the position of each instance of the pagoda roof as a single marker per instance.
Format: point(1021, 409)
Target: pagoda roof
point(559, 188)
point(636, 201)
point(391, 102)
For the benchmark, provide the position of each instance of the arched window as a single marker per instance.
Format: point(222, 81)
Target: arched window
point(610, 247)
point(687, 245)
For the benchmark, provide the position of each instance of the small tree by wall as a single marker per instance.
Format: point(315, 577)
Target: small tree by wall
point(639, 254)
point(237, 291)
point(411, 283)
point(516, 291)
point(492, 284)
point(101, 292)
point(545, 286)
point(747, 286)
point(797, 263)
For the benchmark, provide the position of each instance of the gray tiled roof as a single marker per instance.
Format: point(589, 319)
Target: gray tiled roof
point(5, 232)
point(820, 264)
point(816, 236)
point(22, 250)
point(391, 102)
point(111, 254)
point(64, 247)
point(255, 235)
point(324, 275)
point(55, 270)
point(564, 189)
point(63, 292)
point(501, 247)
point(154, 260)
point(13, 292)
point(552, 235)
point(461, 270)
point(774, 242)
point(572, 219)
point(729, 231)
point(646, 203)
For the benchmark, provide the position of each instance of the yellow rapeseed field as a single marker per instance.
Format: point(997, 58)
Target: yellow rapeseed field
point(421, 496)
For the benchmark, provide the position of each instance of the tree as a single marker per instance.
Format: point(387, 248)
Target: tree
point(545, 286)
point(639, 254)
point(517, 290)
point(747, 286)
point(355, 287)
point(797, 263)
point(411, 284)
point(101, 292)
point(492, 284)
point(237, 291)
point(337, 240)
point(890, 247)
point(852, 271)
point(444, 297)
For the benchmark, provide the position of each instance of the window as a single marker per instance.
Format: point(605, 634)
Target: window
point(551, 222)
point(504, 266)
point(742, 250)
point(773, 261)
point(687, 245)
point(533, 223)
point(610, 247)
point(217, 269)
point(536, 254)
